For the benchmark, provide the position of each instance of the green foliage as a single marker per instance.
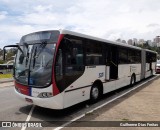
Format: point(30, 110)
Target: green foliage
point(1, 62)
point(147, 46)
point(10, 53)
point(5, 76)
point(9, 56)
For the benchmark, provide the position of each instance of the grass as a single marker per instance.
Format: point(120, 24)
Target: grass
point(5, 76)
point(124, 119)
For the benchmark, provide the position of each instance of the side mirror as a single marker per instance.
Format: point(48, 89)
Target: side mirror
point(4, 54)
point(4, 50)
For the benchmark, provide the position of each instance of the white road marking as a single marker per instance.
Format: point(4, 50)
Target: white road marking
point(29, 116)
point(79, 117)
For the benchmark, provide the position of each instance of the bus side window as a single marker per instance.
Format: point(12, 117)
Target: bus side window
point(74, 57)
point(59, 63)
point(94, 53)
point(123, 58)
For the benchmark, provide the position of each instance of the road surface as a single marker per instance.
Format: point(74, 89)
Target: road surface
point(13, 109)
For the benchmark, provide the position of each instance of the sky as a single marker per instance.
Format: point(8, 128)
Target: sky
point(108, 19)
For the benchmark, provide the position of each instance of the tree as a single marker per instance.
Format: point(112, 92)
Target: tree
point(1, 62)
point(10, 53)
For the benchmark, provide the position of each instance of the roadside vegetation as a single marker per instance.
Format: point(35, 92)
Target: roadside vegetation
point(5, 76)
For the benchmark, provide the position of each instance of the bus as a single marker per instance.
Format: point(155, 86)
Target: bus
point(59, 68)
point(6, 68)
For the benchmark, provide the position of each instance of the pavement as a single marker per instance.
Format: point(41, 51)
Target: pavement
point(5, 82)
point(141, 105)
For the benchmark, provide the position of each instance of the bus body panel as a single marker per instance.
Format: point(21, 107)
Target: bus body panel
point(148, 72)
point(123, 75)
point(109, 86)
point(154, 67)
point(76, 96)
point(138, 77)
point(125, 72)
point(79, 90)
point(143, 63)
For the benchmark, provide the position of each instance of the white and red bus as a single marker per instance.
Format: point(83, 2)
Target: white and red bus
point(60, 68)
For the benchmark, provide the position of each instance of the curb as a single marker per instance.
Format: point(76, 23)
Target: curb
point(7, 86)
point(6, 81)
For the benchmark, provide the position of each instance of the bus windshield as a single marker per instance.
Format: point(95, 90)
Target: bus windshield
point(37, 67)
point(33, 66)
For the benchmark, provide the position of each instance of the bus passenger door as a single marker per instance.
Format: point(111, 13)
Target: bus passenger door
point(113, 63)
point(111, 69)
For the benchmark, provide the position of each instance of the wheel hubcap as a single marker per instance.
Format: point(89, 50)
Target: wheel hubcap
point(132, 80)
point(95, 93)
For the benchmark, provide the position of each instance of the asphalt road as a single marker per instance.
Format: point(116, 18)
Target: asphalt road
point(13, 109)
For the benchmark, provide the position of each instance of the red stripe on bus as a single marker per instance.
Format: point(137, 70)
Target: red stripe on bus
point(54, 86)
point(22, 89)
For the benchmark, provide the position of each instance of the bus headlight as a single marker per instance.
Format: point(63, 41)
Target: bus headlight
point(45, 95)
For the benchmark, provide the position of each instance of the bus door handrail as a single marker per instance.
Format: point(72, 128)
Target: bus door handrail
point(114, 63)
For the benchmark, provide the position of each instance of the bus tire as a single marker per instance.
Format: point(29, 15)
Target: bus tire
point(133, 80)
point(95, 93)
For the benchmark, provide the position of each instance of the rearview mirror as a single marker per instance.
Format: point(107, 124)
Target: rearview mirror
point(4, 54)
point(4, 50)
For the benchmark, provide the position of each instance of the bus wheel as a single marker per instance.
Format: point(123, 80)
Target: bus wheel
point(133, 80)
point(94, 94)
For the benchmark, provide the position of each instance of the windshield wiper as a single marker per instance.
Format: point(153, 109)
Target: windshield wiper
point(22, 73)
point(41, 47)
point(27, 53)
point(34, 57)
point(36, 54)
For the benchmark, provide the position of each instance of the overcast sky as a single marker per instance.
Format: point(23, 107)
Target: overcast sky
point(109, 19)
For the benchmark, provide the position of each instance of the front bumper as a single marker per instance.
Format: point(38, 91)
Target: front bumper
point(55, 102)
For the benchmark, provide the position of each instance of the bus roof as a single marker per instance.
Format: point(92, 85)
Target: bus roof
point(150, 51)
point(62, 31)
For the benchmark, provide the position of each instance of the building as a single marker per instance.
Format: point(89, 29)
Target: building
point(158, 44)
point(135, 41)
point(141, 42)
point(119, 40)
point(123, 41)
point(149, 42)
point(157, 41)
point(130, 42)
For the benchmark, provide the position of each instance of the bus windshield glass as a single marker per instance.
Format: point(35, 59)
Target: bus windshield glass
point(33, 67)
